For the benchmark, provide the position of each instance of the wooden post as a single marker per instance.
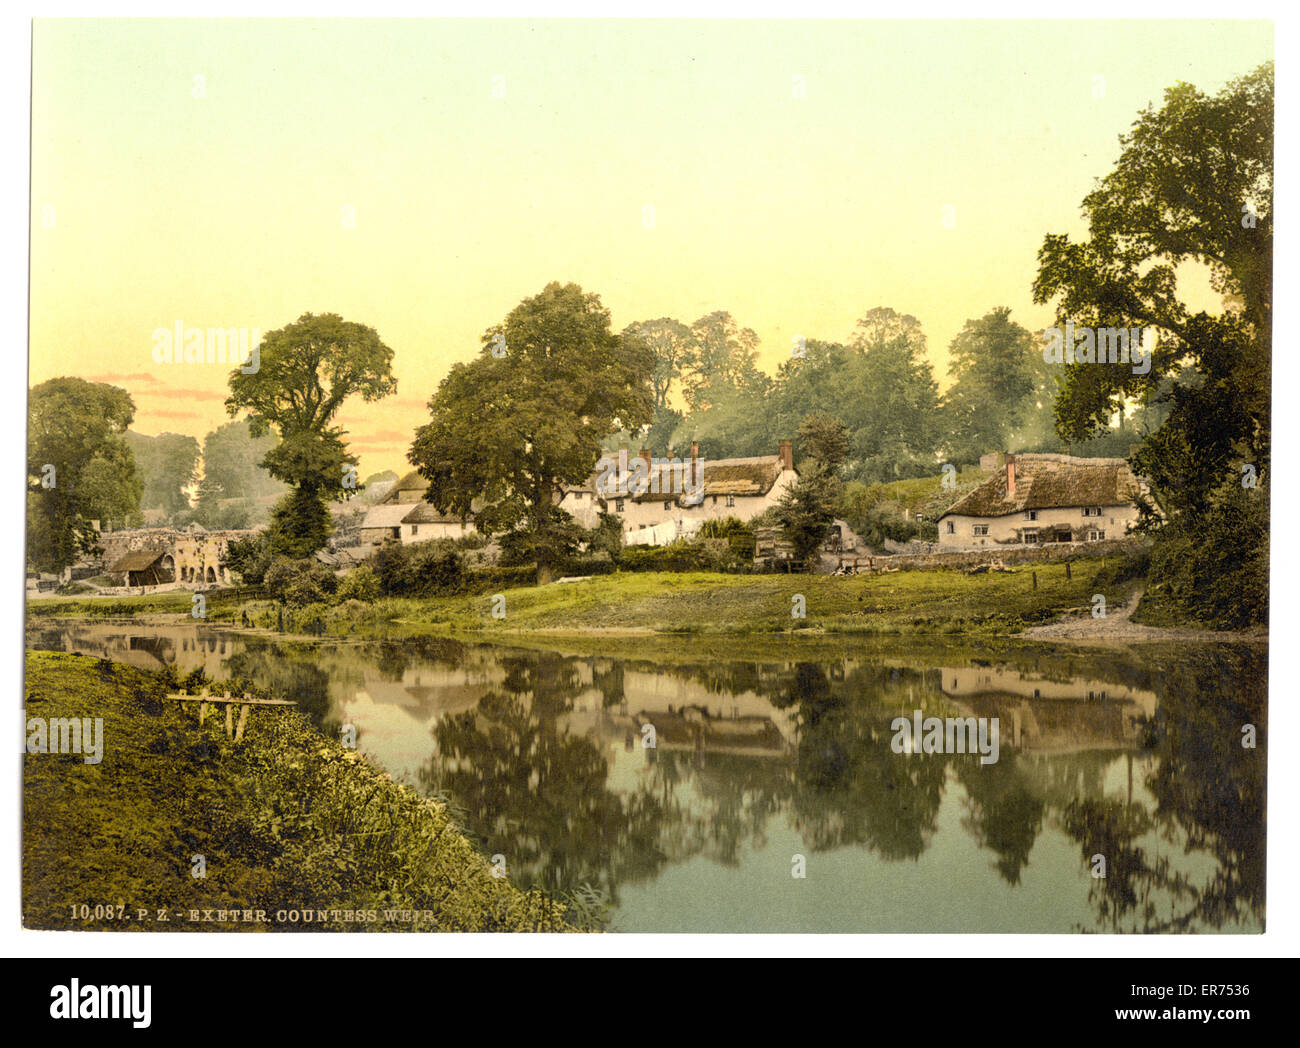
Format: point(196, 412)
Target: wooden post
point(243, 716)
point(1035, 575)
point(1067, 571)
point(230, 719)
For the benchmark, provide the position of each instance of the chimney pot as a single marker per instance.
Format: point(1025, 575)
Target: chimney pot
point(786, 451)
point(1011, 474)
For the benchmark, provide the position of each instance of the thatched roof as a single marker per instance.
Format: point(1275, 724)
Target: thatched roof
point(734, 476)
point(385, 515)
point(1051, 482)
point(427, 513)
point(411, 482)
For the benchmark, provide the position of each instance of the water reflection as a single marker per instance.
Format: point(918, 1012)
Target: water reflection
point(1137, 758)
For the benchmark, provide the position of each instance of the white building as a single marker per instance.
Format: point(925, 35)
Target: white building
point(1035, 499)
point(660, 500)
point(403, 516)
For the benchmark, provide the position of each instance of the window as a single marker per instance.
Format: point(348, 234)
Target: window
point(981, 529)
point(619, 505)
point(415, 529)
point(1092, 511)
point(1031, 538)
point(731, 501)
point(1031, 514)
point(1094, 535)
point(952, 528)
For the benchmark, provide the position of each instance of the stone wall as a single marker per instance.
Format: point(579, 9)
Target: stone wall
point(965, 559)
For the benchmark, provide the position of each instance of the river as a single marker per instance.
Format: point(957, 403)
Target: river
point(726, 793)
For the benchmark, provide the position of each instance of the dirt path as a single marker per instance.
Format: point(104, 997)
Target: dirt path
point(1117, 627)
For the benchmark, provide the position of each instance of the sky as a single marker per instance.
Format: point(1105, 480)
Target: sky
point(423, 177)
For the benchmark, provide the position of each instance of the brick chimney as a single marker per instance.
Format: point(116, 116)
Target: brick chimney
point(786, 450)
point(695, 464)
point(1011, 474)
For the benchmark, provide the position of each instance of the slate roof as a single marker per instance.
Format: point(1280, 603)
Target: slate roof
point(1051, 482)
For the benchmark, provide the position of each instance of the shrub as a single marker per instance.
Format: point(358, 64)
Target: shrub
point(299, 582)
point(361, 583)
point(425, 569)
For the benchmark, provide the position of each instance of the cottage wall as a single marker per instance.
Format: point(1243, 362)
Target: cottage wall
point(1115, 522)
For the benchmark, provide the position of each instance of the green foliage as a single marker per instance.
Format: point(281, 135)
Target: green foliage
point(300, 524)
point(992, 365)
point(287, 818)
point(423, 569)
point(508, 431)
point(307, 370)
point(361, 583)
point(704, 554)
point(77, 427)
point(1217, 574)
point(739, 536)
point(1194, 184)
point(299, 582)
point(250, 558)
point(167, 464)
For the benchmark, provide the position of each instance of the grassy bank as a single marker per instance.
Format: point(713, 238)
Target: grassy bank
point(903, 602)
point(698, 603)
point(285, 821)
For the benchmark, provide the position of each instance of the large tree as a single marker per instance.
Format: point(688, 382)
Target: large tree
point(895, 427)
point(509, 429)
point(307, 370)
point(672, 344)
point(1192, 190)
point(723, 359)
point(79, 468)
point(167, 466)
point(993, 372)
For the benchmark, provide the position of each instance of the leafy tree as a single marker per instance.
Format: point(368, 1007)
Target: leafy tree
point(167, 465)
point(1193, 187)
point(232, 459)
point(824, 439)
point(507, 431)
point(723, 358)
point(673, 346)
point(895, 427)
point(79, 468)
point(993, 372)
point(807, 509)
point(308, 369)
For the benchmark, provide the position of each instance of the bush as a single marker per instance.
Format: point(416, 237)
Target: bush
point(699, 555)
point(299, 582)
point(1215, 571)
point(739, 536)
point(425, 569)
point(360, 583)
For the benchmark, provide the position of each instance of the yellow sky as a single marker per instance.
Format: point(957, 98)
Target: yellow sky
point(798, 172)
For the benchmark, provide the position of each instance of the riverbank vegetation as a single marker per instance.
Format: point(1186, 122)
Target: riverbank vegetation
point(285, 820)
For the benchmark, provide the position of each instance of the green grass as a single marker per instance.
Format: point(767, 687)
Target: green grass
point(902, 602)
point(685, 603)
point(284, 820)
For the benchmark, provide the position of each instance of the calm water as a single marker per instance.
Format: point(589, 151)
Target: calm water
point(1136, 757)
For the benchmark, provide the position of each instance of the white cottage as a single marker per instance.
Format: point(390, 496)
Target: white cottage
point(403, 516)
point(1035, 499)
